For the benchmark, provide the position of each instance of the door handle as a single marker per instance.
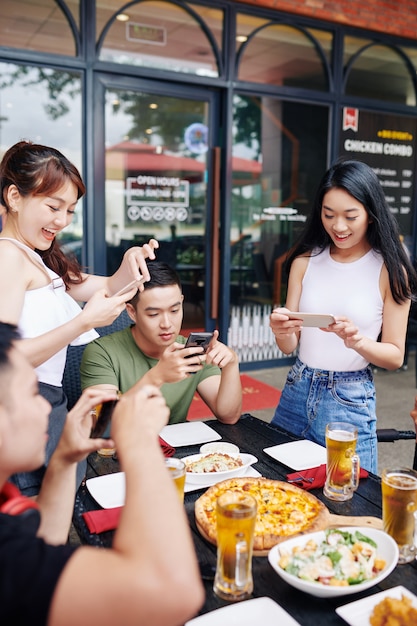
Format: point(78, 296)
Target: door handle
point(215, 239)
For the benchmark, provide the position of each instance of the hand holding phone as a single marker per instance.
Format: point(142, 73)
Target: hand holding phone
point(198, 340)
point(317, 320)
point(129, 286)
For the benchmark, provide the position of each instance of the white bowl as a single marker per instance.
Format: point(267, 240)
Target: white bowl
point(387, 550)
point(220, 446)
point(206, 478)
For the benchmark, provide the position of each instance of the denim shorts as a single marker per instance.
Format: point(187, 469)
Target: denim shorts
point(312, 397)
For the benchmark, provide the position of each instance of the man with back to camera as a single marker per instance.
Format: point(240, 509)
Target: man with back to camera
point(152, 352)
point(150, 575)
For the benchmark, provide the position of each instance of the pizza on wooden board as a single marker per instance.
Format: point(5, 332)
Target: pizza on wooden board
point(284, 510)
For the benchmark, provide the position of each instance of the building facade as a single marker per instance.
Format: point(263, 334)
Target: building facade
point(208, 125)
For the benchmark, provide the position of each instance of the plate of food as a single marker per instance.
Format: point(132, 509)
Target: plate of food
point(298, 455)
point(335, 562)
point(396, 604)
point(201, 468)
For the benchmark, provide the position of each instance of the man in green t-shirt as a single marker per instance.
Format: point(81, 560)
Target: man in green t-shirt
point(152, 351)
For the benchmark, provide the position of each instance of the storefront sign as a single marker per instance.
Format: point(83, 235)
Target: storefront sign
point(145, 33)
point(156, 198)
point(388, 144)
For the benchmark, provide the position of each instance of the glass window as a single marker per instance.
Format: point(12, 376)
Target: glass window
point(156, 184)
point(279, 157)
point(283, 55)
point(40, 26)
point(380, 72)
point(161, 35)
point(53, 118)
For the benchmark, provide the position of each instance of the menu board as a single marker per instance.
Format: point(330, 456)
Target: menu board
point(388, 144)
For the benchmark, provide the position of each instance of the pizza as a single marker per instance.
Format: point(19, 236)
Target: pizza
point(284, 510)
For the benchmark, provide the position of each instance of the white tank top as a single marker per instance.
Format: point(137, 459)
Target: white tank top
point(45, 309)
point(348, 289)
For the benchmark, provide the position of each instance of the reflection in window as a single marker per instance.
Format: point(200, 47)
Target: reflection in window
point(41, 26)
point(283, 55)
point(279, 156)
point(161, 35)
point(380, 72)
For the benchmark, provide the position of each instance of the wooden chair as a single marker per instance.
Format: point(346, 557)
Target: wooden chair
point(71, 381)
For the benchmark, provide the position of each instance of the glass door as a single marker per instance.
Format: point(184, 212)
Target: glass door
point(158, 165)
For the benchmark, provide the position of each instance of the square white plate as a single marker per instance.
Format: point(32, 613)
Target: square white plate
point(358, 613)
point(188, 434)
point(298, 455)
point(247, 613)
point(109, 490)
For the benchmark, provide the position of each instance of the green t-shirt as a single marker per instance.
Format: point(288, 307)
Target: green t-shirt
point(116, 360)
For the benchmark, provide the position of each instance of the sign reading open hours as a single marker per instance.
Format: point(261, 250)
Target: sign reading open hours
point(157, 199)
point(388, 144)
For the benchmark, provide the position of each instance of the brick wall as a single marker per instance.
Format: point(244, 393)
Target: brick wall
point(397, 17)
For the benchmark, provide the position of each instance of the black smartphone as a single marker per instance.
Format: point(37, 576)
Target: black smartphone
point(197, 340)
point(103, 412)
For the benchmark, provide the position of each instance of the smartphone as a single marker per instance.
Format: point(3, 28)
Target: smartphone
point(198, 339)
point(103, 412)
point(129, 286)
point(318, 320)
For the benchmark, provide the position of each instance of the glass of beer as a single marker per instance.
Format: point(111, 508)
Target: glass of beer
point(343, 465)
point(176, 468)
point(236, 516)
point(399, 506)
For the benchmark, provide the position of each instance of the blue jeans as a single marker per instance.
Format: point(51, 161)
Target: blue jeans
point(311, 398)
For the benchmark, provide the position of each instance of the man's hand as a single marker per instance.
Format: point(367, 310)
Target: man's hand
point(75, 443)
point(145, 409)
point(219, 354)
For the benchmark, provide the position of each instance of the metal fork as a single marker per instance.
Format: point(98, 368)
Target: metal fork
point(301, 479)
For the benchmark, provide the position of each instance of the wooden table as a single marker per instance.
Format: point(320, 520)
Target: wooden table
point(252, 436)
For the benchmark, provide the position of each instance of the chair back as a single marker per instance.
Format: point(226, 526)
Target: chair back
point(71, 381)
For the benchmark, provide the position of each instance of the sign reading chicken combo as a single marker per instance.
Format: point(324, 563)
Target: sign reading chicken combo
point(388, 144)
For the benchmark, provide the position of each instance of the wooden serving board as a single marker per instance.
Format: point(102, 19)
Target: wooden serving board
point(335, 521)
point(354, 520)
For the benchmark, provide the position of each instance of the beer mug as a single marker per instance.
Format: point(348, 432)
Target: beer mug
point(399, 510)
point(343, 464)
point(236, 516)
point(176, 468)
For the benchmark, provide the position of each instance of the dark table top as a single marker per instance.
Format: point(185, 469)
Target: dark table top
point(252, 436)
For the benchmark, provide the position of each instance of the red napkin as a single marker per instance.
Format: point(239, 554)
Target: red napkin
point(318, 474)
point(166, 448)
point(102, 520)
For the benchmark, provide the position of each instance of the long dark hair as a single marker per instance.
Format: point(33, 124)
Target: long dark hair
point(361, 182)
point(40, 171)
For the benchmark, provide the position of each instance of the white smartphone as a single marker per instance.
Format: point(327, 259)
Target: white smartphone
point(129, 286)
point(317, 320)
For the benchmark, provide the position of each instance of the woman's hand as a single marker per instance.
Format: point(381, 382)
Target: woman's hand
point(134, 261)
point(281, 325)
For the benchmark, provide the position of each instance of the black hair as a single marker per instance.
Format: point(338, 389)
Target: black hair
point(8, 334)
point(162, 275)
point(360, 181)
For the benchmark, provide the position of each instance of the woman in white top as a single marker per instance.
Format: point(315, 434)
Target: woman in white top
point(349, 262)
point(40, 286)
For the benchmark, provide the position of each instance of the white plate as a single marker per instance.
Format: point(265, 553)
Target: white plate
point(247, 613)
point(109, 490)
point(188, 434)
point(205, 478)
point(358, 613)
point(298, 455)
point(387, 550)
